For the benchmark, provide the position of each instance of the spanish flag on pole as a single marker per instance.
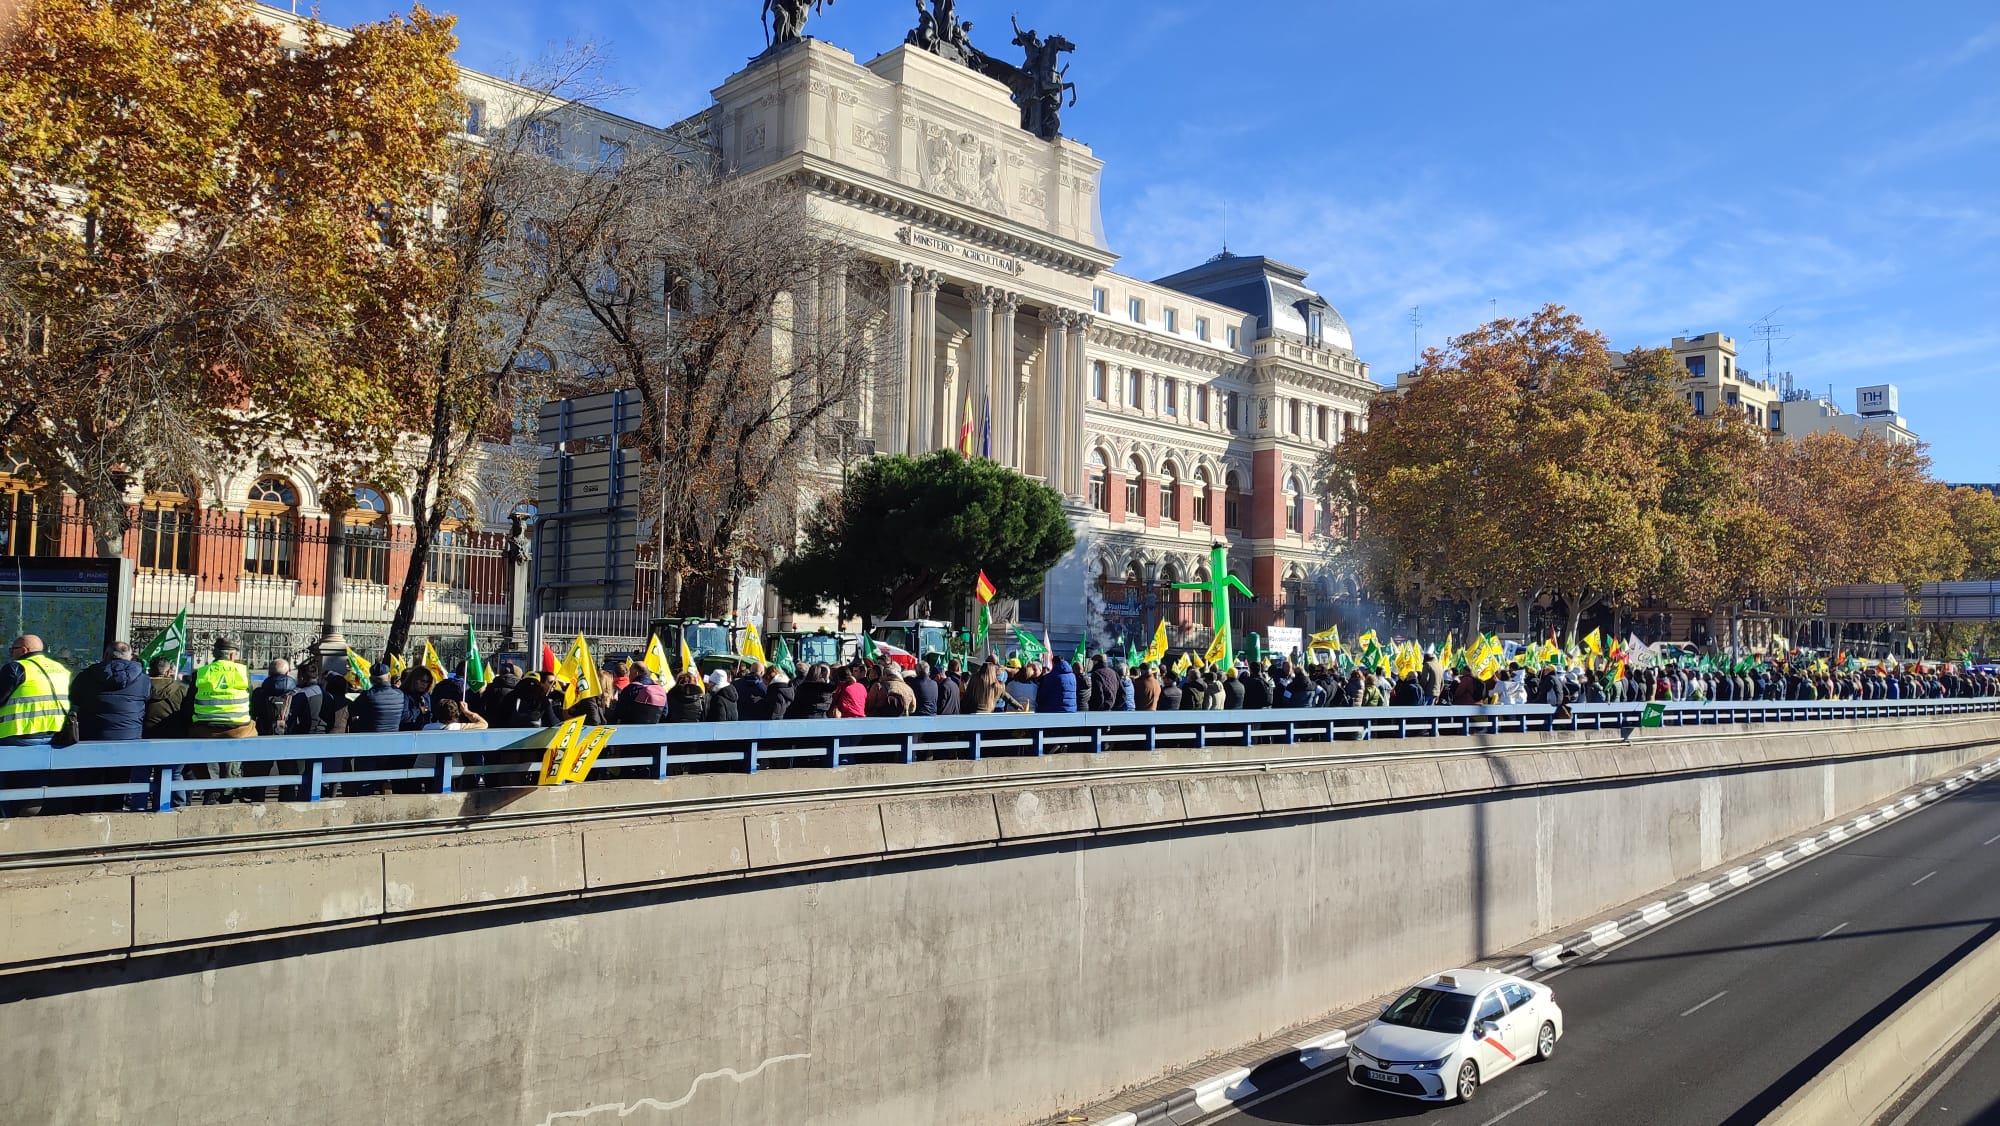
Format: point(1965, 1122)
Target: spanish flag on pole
point(984, 589)
point(965, 430)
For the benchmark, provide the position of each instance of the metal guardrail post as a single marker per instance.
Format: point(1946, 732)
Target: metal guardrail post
point(749, 758)
point(445, 760)
point(1097, 740)
point(909, 749)
point(973, 747)
point(313, 778)
point(833, 752)
point(163, 789)
point(1039, 749)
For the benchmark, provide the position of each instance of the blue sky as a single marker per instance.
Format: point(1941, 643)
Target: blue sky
point(1658, 168)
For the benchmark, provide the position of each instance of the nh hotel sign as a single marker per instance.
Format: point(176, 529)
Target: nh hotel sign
point(986, 258)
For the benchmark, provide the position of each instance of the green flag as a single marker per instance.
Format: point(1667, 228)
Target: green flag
point(1131, 657)
point(868, 650)
point(985, 627)
point(1655, 715)
point(781, 656)
point(1032, 648)
point(476, 673)
point(1082, 650)
point(170, 642)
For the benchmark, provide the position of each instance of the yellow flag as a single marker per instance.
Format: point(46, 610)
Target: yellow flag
point(435, 666)
point(753, 646)
point(396, 666)
point(584, 682)
point(1181, 666)
point(655, 659)
point(687, 660)
point(1594, 642)
point(1158, 648)
point(357, 670)
point(1217, 653)
point(1327, 639)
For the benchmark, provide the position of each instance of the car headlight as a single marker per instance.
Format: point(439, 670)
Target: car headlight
point(1431, 1065)
point(1361, 1057)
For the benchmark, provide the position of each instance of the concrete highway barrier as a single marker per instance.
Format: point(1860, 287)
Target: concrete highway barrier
point(1895, 1056)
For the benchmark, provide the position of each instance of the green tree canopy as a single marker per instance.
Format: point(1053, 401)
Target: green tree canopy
point(907, 529)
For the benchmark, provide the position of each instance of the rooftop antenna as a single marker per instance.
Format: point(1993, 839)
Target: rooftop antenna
point(1763, 329)
point(1416, 319)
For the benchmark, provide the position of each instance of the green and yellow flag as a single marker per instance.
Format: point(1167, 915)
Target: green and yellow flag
point(476, 672)
point(433, 665)
point(358, 670)
point(655, 659)
point(583, 682)
point(753, 646)
point(1158, 649)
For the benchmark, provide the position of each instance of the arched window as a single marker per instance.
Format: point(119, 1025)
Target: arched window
point(368, 538)
point(1170, 494)
point(1201, 484)
point(166, 533)
point(1134, 482)
point(1100, 495)
point(1295, 505)
point(447, 565)
point(1232, 503)
point(270, 528)
point(27, 526)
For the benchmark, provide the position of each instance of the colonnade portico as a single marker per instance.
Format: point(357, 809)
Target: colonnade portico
point(1013, 358)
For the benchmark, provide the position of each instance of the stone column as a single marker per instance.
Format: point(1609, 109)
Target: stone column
point(1006, 386)
point(957, 384)
point(902, 280)
point(980, 383)
point(332, 645)
point(1057, 395)
point(1073, 367)
point(831, 334)
point(923, 406)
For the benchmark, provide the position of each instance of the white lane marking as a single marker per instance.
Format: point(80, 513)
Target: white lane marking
point(1706, 1004)
point(1925, 876)
point(1924, 1098)
point(1512, 1109)
point(1990, 840)
point(1832, 932)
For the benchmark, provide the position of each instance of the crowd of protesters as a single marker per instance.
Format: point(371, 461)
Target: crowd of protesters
point(117, 699)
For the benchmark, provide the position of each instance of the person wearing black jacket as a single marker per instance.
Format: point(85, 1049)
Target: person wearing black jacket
point(812, 696)
point(950, 696)
point(685, 700)
point(722, 700)
point(494, 702)
point(1170, 692)
point(779, 694)
point(1232, 691)
point(1106, 693)
point(924, 689)
point(1256, 689)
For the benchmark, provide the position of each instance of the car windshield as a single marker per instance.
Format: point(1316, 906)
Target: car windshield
point(1432, 1010)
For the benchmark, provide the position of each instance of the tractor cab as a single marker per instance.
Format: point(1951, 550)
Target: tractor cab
point(920, 637)
point(820, 647)
point(713, 642)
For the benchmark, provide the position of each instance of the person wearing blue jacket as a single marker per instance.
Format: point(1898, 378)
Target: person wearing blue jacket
point(109, 698)
point(1056, 691)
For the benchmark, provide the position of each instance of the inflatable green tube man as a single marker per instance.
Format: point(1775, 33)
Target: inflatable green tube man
point(1220, 583)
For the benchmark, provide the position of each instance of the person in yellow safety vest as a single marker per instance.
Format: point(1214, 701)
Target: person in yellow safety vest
point(34, 699)
point(34, 694)
point(222, 710)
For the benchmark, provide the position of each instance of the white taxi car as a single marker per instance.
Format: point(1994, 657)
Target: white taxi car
point(1448, 1034)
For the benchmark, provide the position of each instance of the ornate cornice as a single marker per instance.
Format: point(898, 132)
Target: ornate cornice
point(914, 205)
point(1163, 350)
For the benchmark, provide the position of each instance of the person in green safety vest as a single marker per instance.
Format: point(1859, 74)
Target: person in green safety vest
point(222, 710)
point(34, 700)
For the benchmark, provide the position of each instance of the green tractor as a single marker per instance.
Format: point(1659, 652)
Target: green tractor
point(820, 647)
point(713, 642)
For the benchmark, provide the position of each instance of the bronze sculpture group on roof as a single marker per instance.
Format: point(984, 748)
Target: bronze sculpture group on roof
point(1039, 83)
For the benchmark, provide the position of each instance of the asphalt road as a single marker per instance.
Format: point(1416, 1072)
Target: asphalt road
point(1964, 1088)
point(1720, 1015)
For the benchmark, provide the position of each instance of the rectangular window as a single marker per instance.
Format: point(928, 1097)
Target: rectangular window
point(1700, 403)
point(1170, 319)
point(1099, 499)
point(1316, 327)
point(1726, 365)
point(1201, 328)
point(475, 117)
point(1774, 420)
point(1136, 310)
point(446, 565)
point(367, 554)
point(1292, 416)
point(1230, 332)
point(1200, 503)
point(1100, 299)
point(166, 539)
point(1132, 499)
point(610, 152)
point(1733, 400)
point(1232, 510)
point(1201, 404)
point(1229, 410)
point(1099, 388)
point(267, 546)
point(1135, 392)
point(1173, 397)
point(1168, 509)
point(1697, 365)
point(544, 137)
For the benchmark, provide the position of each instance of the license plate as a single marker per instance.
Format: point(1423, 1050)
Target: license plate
point(1384, 1077)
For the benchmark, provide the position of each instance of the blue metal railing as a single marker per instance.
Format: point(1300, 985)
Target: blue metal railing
point(443, 761)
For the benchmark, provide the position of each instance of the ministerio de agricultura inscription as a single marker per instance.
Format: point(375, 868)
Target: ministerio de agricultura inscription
point(986, 258)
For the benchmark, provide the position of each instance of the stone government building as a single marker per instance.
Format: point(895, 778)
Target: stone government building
point(1170, 413)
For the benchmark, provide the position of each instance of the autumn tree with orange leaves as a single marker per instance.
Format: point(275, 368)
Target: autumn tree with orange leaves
point(186, 240)
point(1525, 459)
